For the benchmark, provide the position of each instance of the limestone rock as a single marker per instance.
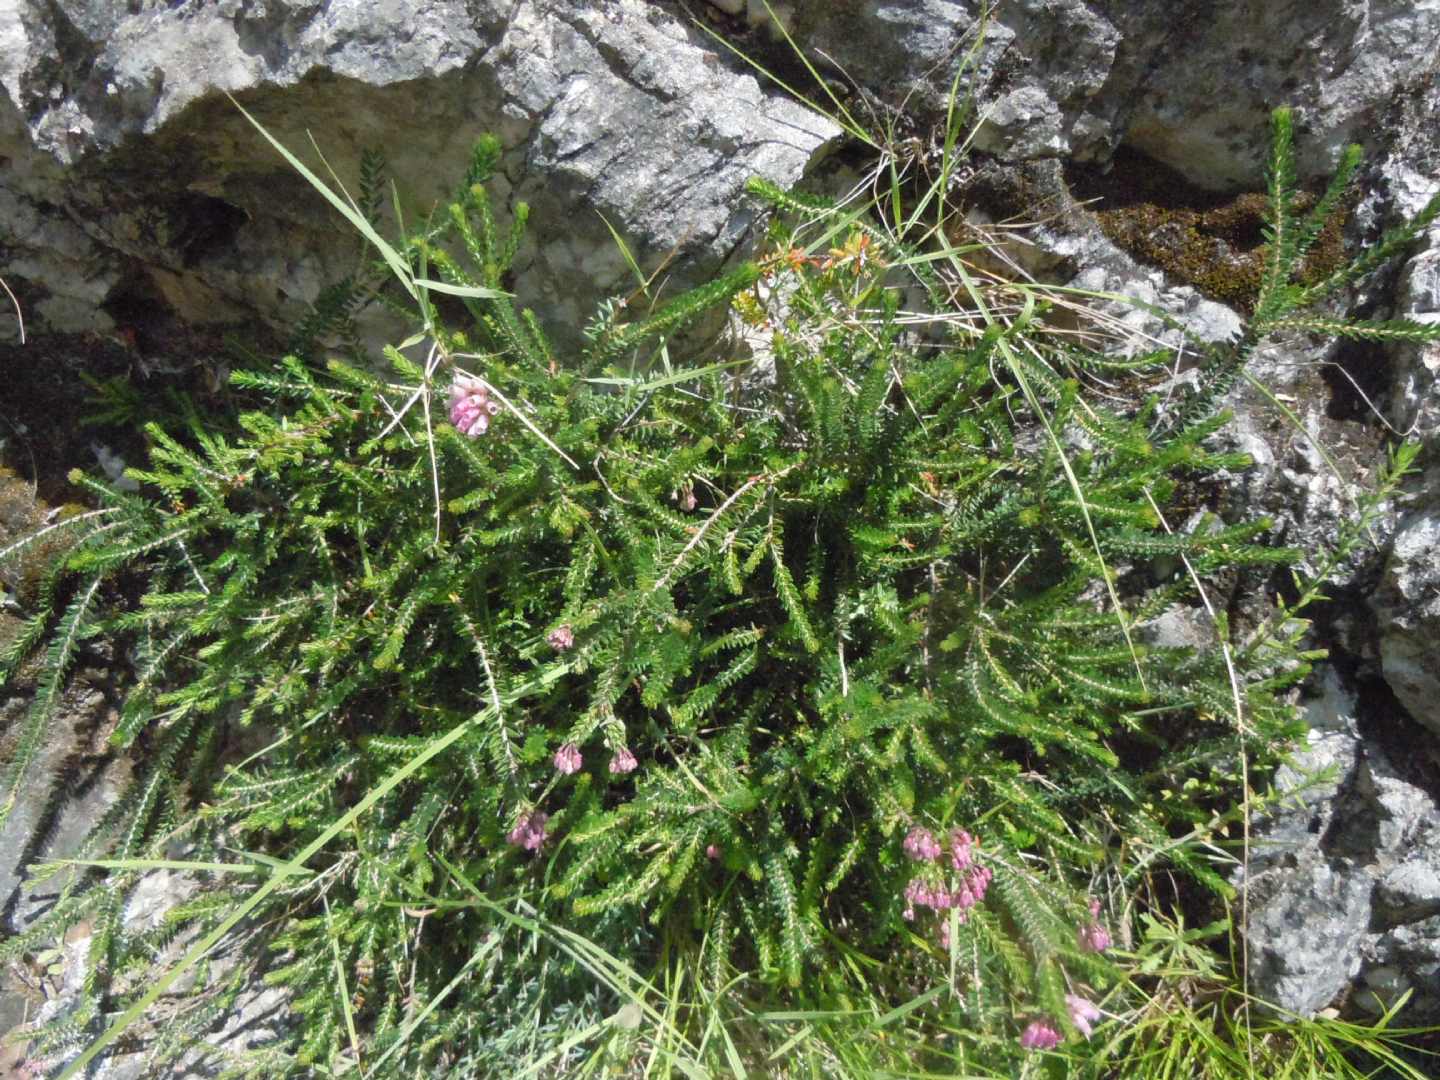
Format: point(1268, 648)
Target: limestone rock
point(1408, 604)
point(1344, 898)
point(1186, 82)
point(132, 182)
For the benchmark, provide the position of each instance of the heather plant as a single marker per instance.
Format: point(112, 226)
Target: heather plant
point(564, 667)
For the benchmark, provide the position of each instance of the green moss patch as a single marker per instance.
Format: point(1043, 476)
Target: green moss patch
point(1213, 241)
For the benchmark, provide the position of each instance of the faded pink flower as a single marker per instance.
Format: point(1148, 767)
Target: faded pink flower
point(920, 844)
point(567, 759)
point(470, 406)
point(1092, 937)
point(529, 831)
point(561, 638)
point(918, 892)
point(1083, 1013)
point(623, 762)
point(712, 851)
point(1040, 1035)
point(914, 893)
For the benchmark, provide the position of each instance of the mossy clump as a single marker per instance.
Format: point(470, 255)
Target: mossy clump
point(21, 512)
point(1214, 242)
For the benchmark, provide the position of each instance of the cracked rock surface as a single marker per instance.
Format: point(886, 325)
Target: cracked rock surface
point(133, 182)
point(1343, 890)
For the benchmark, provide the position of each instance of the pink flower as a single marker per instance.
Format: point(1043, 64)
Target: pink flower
point(529, 831)
point(1040, 1035)
point(1092, 937)
point(567, 759)
point(470, 406)
point(1083, 1013)
point(920, 844)
point(960, 844)
point(944, 893)
point(917, 892)
point(560, 639)
point(712, 851)
point(960, 920)
point(623, 762)
point(977, 881)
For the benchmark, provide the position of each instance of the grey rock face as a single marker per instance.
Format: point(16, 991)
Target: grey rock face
point(131, 179)
point(50, 821)
point(1344, 896)
point(1187, 82)
point(1200, 97)
point(1408, 605)
point(256, 1017)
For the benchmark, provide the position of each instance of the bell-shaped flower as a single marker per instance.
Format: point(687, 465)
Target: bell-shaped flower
point(529, 831)
point(567, 759)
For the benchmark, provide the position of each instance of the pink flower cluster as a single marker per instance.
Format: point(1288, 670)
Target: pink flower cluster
point(1092, 937)
point(470, 406)
point(920, 844)
point(1040, 1034)
point(567, 759)
point(962, 846)
point(936, 893)
point(529, 831)
point(561, 638)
